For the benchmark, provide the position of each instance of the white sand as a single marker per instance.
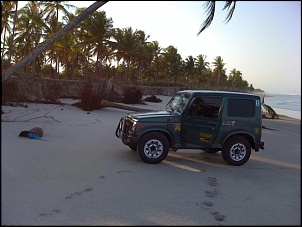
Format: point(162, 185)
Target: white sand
point(83, 175)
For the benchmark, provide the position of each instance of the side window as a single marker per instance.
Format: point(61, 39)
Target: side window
point(240, 108)
point(206, 107)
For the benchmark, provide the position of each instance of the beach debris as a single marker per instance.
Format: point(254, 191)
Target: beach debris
point(15, 104)
point(34, 133)
point(152, 98)
point(106, 103)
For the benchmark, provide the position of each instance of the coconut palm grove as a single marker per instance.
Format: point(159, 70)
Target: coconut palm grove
point(95, 50)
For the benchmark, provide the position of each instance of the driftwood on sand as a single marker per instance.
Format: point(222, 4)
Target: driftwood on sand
point(106, 103)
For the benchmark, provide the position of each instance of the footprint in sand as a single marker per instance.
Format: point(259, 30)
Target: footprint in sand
point(76, 194)
point(212, 181)
point(51, 213)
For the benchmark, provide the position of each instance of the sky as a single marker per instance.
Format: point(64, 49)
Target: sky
point(262, 40)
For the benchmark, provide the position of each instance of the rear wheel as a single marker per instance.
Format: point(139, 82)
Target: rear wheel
point(153, 148)
point(236, 151)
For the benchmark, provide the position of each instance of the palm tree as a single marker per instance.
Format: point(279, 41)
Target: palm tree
point(13, 35)
point(31, 56)
point(210, 7)
point(156, 64)
point(127, 45)
point(172, 61)
point(189, 66)
point(219, 70)
point(235, 79)
point(7, 14)
point(97, 31)
point(144, 61)
point(156, 51)
point(51, 10)
point(30, 29)
point(202, 65)
point(53, 7)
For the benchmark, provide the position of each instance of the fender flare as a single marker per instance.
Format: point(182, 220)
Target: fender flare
point(246, 134)
point(170, 137)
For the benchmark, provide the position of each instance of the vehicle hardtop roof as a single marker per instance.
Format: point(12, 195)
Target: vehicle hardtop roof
point(224, 93)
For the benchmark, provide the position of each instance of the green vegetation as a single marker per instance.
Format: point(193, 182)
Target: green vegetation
point(95, 50)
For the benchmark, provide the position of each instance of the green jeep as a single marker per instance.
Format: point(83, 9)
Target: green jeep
point(213, 121)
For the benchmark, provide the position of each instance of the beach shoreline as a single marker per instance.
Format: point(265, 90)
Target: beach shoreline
point(291, 114)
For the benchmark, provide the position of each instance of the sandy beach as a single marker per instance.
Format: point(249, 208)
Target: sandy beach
point(81, 174)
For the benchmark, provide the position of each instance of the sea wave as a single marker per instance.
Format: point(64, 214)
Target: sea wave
point(284, 101)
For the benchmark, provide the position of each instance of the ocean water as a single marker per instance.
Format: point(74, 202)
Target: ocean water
point(284, 104)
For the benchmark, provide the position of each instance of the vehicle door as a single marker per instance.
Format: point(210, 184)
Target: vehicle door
point(201, 120)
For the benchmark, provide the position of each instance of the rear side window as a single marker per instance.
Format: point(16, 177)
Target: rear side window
point(240, 108)
point(206, 107)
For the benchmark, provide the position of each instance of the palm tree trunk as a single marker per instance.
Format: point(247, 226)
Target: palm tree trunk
point(14, 26)
point(87, 12)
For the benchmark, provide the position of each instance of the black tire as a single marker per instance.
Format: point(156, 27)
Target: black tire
point(236, 151)
point(132, 147)
point(153, 148)
point(211, 150)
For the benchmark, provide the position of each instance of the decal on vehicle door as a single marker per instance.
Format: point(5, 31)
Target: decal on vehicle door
point(204, 137)
point(257, 131)
point(228, 122)
point(177, 127)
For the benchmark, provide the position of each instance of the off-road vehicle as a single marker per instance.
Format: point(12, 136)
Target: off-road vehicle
point(230, 122)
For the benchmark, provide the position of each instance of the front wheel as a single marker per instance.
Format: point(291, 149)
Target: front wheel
point(153, 148)
point(236, 151)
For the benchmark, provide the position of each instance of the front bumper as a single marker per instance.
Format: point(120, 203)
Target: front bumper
point(123, 132)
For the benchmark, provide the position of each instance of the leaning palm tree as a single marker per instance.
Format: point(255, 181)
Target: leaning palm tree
point(210, 9)
point(31, 56)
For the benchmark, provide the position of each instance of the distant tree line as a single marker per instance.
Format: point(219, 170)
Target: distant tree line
point(96, 50)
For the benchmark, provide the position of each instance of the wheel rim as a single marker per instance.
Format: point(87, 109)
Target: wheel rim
point(153, 148)
point(238, 152)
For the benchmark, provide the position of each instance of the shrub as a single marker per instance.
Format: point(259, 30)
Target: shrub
point(132, 95)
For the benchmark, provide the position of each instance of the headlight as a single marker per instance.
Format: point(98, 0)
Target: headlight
point(134, 126)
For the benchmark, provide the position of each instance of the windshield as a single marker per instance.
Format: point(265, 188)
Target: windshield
point(178, 102)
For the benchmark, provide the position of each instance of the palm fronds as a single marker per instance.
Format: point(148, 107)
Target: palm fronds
point(209, 7)
point(210, 10)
